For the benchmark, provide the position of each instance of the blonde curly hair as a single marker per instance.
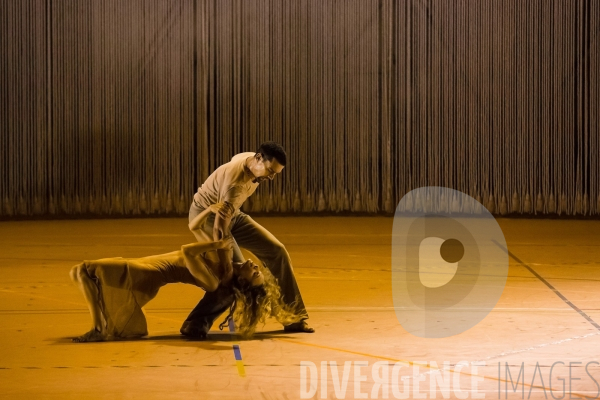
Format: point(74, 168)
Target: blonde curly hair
point(254, 304)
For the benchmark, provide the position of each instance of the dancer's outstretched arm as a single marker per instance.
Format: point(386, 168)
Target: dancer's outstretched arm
point(223, 220)
point(220, 232)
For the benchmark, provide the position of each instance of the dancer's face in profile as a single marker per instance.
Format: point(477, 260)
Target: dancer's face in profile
point(251, 273)
point(264, 169)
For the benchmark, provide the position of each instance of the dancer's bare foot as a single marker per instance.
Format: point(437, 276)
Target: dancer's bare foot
point(91, 336)
point(301, 326)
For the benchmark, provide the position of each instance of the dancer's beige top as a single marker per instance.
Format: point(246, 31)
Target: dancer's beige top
point(227, 184)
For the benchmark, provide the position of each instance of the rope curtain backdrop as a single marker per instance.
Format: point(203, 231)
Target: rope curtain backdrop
point(102, 103)
point(124, 107)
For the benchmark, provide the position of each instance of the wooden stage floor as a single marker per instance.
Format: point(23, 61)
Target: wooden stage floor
point(343, 268)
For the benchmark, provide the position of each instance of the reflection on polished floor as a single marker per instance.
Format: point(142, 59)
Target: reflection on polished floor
point(545, 324)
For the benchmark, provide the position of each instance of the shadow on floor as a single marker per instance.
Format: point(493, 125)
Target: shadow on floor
point(210, 343)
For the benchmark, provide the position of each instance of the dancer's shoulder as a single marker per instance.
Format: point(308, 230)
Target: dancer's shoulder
point(242, 156)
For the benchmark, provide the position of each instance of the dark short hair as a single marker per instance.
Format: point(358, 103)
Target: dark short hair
point(270, 150)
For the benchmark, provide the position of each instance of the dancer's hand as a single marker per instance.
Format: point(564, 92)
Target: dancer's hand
point(214, 208)
point(227, 243)
point(225, 209)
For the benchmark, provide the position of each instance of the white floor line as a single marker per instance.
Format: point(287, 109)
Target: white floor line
point(539, 346)
point(512, 352)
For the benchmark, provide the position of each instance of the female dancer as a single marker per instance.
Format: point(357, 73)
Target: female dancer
point(116, 289)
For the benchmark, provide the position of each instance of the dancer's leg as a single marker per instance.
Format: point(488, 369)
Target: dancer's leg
point(202, 317)
point(80, 276)
point(253, 237)
point(213, 304)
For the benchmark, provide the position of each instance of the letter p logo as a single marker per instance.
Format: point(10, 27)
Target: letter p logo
point(448, 266)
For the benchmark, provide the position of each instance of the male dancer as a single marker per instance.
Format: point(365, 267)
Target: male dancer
point(231, 184)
